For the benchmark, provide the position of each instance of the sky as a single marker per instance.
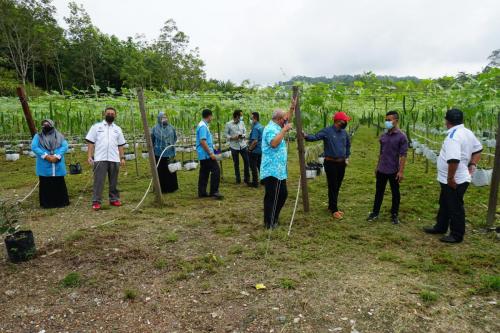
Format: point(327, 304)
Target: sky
point(267, 41)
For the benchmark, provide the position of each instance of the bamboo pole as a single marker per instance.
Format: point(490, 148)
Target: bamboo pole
point(301, 149)
point(21, 93)
point(495, 181)
point(149, 142)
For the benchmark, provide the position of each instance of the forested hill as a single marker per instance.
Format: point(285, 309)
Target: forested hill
point(347, 79)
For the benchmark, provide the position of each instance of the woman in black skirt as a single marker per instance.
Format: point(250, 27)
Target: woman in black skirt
point(164, 138)
point(50, 146)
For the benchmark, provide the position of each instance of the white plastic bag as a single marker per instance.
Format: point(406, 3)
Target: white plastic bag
point(482, 177)
point(174, 167)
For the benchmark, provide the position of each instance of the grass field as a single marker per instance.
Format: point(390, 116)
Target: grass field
point(192, 266)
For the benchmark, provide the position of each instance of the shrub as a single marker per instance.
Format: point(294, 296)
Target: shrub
point(71, 280)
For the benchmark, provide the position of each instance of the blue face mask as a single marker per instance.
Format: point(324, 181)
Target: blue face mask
point(388, 124)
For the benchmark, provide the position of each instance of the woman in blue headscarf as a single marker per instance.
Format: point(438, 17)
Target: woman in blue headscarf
point(164, 138)
point(49, 147)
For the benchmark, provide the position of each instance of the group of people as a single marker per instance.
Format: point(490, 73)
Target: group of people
point(265, 161)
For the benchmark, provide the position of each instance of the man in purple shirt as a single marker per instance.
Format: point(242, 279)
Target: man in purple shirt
point(390, 166)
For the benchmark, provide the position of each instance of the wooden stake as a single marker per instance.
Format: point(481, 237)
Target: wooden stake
point(149, 142)
point(495, 181)
point(26, 109)
point(301, 149)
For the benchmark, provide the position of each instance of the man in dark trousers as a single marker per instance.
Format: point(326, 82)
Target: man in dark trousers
point(460, 153)
point(208, 162)
point(235, 133)
point(390, 166)
point(255, 148)
point(337, 147)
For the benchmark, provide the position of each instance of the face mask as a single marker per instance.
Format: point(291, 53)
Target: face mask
point(46, 129)
point(110, 118)
point(343, 125)
point(164, 122)
point(388, 124)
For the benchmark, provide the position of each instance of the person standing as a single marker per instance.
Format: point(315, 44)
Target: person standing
point(457, 161)
point(337, 149)
point(273, 169)
point(164, 138)
point(106, 143)
point(235, 133)
point(390, 166)
point(50, 147)
point(255, 148)
point(208, 162)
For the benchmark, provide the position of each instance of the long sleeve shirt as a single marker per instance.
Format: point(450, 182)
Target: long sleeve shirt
point(336, 141)
point(233, 130)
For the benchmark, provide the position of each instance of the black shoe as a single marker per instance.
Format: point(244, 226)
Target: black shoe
point(395, 219)
point(217, 196)
point(203, 195)
point(372, 217)
point(433, 231)
point(450, 239)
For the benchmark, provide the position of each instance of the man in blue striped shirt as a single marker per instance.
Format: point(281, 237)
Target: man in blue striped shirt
point(337, 147)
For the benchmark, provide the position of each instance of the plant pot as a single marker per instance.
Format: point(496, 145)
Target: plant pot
point(84, 148)
point(129, 157)
point(190, 165)
point(20, 246)
point(145, 154)
point(12, 156)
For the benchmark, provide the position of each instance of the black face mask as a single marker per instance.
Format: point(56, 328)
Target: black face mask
point(343, 125)
point(110, 118)
point(46, 129)
point(164, 122)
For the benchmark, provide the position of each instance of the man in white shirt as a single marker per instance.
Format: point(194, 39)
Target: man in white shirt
point(460, 153)
point(106, 143)
point(235, 133)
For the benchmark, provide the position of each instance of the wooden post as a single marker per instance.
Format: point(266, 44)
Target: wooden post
point(26, 109)
point(134, 141)
point(300, 146)
point(149, 142)
point(495, 181)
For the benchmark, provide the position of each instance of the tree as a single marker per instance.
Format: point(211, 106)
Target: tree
point(22, 27)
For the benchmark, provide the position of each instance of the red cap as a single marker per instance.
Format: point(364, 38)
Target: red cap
point(341, 116)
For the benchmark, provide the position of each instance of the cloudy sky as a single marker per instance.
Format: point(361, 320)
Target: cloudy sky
point(270, 40)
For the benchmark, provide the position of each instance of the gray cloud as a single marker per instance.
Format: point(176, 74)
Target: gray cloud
point(261, 39)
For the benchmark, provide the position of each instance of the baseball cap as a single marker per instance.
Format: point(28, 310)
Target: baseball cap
point(341, 116)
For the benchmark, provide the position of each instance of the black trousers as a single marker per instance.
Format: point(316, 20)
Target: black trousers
point(382, 179)
point(255, 160)
point(335, 172)
point(208, 168)
point(246, 165)
point(274, 199)
point(451, 210)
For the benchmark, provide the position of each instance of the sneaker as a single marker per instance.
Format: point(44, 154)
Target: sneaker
point(372, 217)
point(96, 206)
point(217, 196)
point(337, 215)
point(450, 239)
point(395, 219)
point(115, 203)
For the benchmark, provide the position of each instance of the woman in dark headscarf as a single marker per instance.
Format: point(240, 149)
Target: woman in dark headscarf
point(164, 136)
point(49, 147)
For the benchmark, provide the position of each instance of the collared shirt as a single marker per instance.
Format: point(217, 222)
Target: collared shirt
point(393, 145)
point(256, 134)
point(274, 160)
point(231, 130)
point(203, 133)
point(106, 138)
point(336, 141)
point(459, 145)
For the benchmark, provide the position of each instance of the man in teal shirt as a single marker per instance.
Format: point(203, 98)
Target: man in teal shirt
point(273, 170)
point(208, 163)
point(255, 148)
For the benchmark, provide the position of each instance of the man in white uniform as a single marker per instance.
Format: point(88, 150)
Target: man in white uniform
point(235, 133)
point(460, 153)
point(106, 153)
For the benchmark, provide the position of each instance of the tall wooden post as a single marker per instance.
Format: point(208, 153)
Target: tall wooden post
point(300, 145)
point(149, 142)
point(495, 181)
point(26, 109)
